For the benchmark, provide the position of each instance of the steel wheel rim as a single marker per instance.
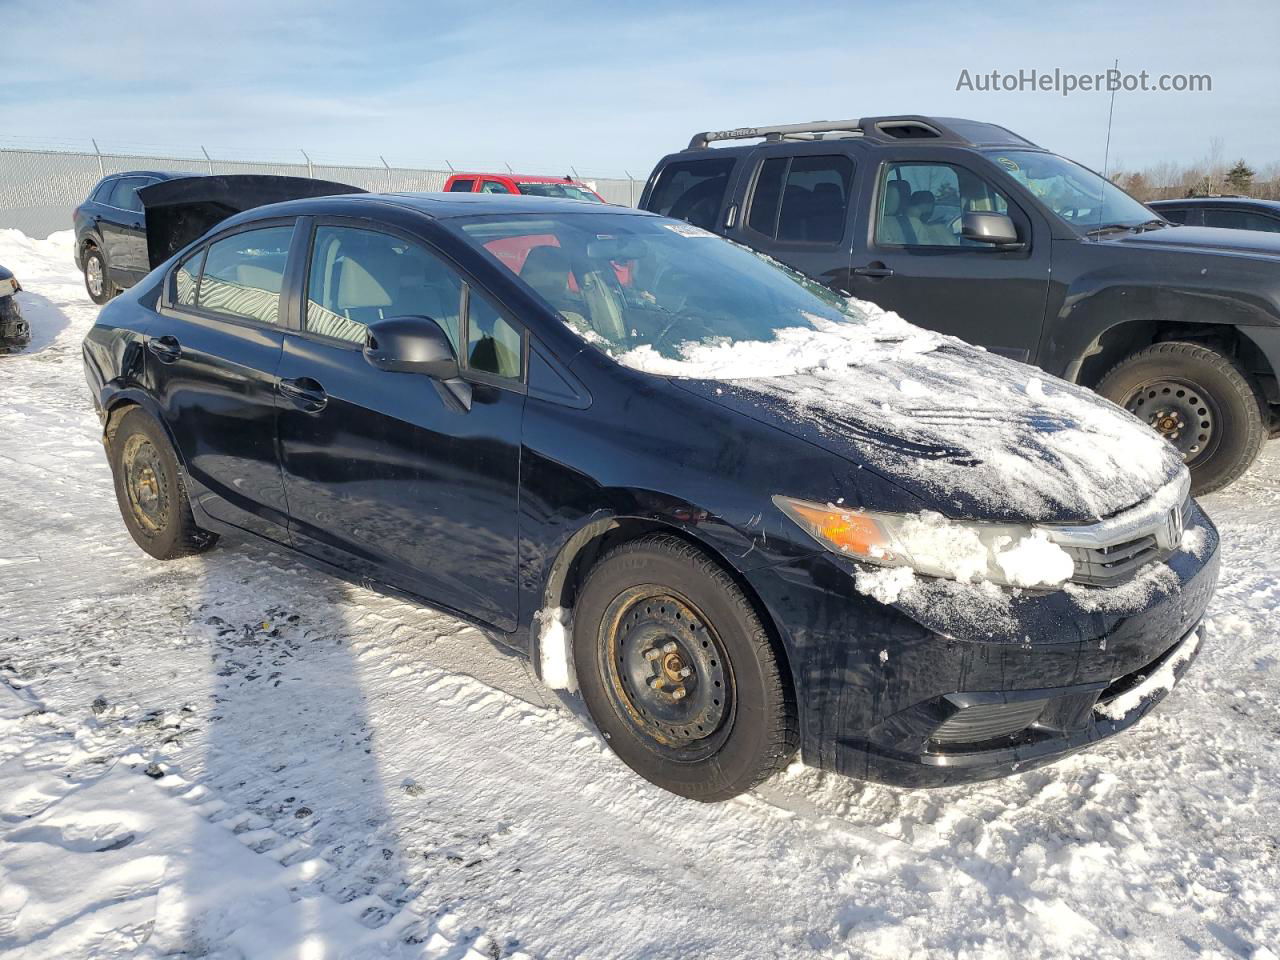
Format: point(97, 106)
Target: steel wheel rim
point(145, 484)
point(1181, 412)
point(654, 643)
point(93, 273)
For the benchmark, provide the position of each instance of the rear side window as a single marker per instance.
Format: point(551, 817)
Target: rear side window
point(1239, 220)
point(359, 276)
point(102, 193)
point(187, 278)
point(462, 186)
point(1174, 215)
point(802, 199)
point(692, 190)
point(243, 274)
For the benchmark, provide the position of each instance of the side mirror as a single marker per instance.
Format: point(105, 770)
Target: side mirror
point(993, 228)
point(411, 345)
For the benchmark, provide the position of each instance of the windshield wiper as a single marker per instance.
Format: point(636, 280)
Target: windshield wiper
point(1108, 228)
point(1151, 225)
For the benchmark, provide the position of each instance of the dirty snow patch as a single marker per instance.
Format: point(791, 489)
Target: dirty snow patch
point(553, 649)
point(1161, 681)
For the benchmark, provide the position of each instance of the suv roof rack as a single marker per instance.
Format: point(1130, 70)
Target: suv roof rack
point(907, 127)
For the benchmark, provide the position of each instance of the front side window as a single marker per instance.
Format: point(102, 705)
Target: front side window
point(1174, 214)
point(922, 204)
point(461, 186)
point(629, 283)
point(125, 194)
point(243, 274)
point(692, 190)
point(1076, 194)
point(493, 186)
point(802, 199)
point(493, 345)
point(358, 276)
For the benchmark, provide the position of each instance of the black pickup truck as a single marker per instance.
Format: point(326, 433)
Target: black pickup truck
point(969, 229)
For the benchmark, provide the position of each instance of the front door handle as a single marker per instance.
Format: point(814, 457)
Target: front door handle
point(305, 394)
point(165, 349)
point(875, 270)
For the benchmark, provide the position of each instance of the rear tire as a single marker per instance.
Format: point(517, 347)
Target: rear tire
point(151, 492)
point(96, 281)
point(1200, 400)
point(657, 616)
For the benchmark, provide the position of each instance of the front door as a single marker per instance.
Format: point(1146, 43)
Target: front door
point(214, 369)
point(912, 259)
point(387, 474)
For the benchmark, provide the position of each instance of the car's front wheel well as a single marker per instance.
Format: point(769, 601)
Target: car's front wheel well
point(594, 541)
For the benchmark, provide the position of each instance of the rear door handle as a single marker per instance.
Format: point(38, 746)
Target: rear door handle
point(875, 270)
point(305, 394)
point(165, 349)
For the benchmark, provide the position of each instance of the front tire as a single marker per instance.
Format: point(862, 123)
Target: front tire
point(150, 490)
point(96, 280)
point(679, 673)
point(1200, 401)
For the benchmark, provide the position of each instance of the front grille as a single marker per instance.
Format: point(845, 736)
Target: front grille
point(1105, 566)
point(988, 721)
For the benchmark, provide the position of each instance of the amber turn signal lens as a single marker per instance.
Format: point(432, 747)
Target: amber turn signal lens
point(855, 533)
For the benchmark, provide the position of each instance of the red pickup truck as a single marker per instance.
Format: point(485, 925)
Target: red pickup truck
point(565, 187)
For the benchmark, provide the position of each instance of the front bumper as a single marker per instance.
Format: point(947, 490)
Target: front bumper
point(963, 682)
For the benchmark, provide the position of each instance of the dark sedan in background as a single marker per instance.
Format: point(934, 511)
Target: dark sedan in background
point(914, 561)
point(1233, 213)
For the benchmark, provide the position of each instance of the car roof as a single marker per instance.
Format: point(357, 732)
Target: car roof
point(440, 206)
point(1216, 202)
point(898, 130)
point(162, 174)
point(522, 177)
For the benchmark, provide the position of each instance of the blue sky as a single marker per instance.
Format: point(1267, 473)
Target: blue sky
point(610, 87)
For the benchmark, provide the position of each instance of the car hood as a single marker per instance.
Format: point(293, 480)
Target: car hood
point(970, 434)
point(1216, 239)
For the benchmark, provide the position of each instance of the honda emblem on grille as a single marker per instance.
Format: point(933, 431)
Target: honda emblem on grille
point(1172, 534)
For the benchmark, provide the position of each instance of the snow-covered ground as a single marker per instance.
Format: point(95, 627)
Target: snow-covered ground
point(233, 755)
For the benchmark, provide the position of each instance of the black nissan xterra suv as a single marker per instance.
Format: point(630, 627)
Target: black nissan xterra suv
point(969, 229)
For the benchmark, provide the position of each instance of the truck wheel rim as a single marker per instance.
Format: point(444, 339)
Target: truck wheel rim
point(145, 484)
point(667, 673)
point(1180, 412)
point(93, 273)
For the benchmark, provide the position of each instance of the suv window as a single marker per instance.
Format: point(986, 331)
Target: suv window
point(462, 186)
point(1239, 220)
point(493, 186)
point(243, 274)
point(1173, 214)
point(125, 193)
point(802, 199)
point(358, 276)
point(102, 192)
point(692, 190)
point(920, 204)
point(493, 345)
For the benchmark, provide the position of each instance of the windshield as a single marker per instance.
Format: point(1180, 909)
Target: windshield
point(569, 191)
point(627, 282)
point(1076, 194)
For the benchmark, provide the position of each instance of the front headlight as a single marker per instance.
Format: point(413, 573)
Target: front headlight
point(1009, 554)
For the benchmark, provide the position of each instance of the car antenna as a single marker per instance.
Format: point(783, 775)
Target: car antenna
point(1106, 152)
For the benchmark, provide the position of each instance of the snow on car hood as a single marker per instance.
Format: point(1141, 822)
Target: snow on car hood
point(979, 436)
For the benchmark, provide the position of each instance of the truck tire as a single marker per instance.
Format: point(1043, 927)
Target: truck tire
point(151, 492)
point(1200, 401)
point(96, 281)
point(679, 673)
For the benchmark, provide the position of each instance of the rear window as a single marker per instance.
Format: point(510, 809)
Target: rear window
point(692, 190)
point(461, 186)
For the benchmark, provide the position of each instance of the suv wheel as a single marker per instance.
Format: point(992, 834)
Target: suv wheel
point(678, 672)
point(96, 281)
point(150, 490)
point(1200, 401)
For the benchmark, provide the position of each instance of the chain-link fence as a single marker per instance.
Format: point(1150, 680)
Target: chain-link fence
point(40, 188)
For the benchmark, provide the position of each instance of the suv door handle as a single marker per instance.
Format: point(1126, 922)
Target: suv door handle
point(876, 270)
point(305, 394)
point(165, 349)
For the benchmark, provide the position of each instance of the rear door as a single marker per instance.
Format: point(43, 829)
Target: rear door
point(796, 209)
point(909, 256)
point(211, 363)
point(387, 475)
point(124, 232)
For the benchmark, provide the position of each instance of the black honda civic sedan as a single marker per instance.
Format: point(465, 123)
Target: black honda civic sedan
point(741, 515)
